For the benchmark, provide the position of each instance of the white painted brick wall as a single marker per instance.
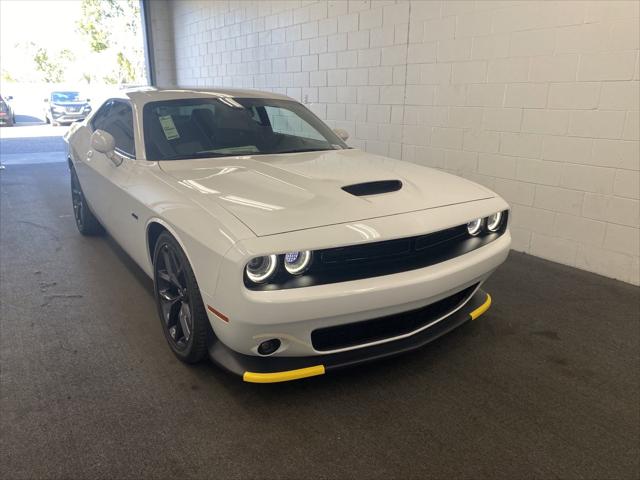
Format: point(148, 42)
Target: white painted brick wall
point(538, 100)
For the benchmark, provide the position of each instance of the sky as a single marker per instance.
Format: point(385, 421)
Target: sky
point(50, 23)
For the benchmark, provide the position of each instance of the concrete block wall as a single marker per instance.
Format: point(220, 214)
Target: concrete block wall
point(161, 19)
point(538, 100)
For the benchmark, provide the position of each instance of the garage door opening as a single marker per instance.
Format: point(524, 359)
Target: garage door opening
point(60, 66)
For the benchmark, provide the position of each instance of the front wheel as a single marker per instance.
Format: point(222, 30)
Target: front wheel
point(86, 221)
point(180, 307)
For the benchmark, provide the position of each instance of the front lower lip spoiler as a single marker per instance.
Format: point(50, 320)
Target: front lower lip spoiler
point(255, 369)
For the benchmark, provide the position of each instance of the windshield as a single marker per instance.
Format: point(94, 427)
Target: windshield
point(65, 97)
point(218, 127)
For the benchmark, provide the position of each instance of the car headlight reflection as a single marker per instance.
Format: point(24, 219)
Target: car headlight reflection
point(297, 262)
point(260, 269)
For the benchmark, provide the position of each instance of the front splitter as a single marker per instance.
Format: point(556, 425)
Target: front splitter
point(257, 369)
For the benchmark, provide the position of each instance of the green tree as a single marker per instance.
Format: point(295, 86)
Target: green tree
point(99, 19)
point(51, 66)
point(7, 77)
point(95, 21)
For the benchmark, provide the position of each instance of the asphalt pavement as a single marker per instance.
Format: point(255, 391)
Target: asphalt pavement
point(544, 385)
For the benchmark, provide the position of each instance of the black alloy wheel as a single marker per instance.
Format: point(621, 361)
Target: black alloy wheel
point(184, 321)
point(86, 222)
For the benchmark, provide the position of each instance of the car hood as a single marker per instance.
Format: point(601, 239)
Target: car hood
point(273, 194)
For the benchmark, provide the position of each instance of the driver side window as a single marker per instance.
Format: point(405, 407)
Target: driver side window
point(116, 117)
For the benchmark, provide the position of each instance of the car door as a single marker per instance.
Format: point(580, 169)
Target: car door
point(94, 169)
point(121, 214)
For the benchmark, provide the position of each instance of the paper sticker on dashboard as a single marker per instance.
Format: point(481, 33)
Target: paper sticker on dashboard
point(168, 127)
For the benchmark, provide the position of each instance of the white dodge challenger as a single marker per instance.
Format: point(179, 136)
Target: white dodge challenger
point(274, 248)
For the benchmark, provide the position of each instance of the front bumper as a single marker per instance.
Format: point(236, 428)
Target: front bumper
point(256, 369)
point(292, 315)
point(68, 117)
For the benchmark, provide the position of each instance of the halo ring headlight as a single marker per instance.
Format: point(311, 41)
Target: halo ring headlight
point(260, 269)
point(494, 222)
point(297, 262)
point(474, 227)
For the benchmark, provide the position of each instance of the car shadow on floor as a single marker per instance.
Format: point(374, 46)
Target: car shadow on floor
point(130, 264)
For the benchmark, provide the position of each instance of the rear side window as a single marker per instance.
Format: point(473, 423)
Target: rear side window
point(116, 117)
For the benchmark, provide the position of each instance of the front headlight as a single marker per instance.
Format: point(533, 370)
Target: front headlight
point(57, 108)
point(474, 227)
point(260, 269)
point(494, 222)
point(297, 262)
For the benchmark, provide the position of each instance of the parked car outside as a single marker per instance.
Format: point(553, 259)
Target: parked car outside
point(7, 115)
point(65, 107)
point(275, 248)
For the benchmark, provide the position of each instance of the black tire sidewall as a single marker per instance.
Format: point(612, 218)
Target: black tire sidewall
point(90, 224)
point(74, 179)
point(196, 346)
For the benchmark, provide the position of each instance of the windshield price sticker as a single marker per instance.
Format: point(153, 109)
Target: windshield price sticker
point(168, 127)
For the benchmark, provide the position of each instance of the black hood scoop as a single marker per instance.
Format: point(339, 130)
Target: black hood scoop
point(373, 188)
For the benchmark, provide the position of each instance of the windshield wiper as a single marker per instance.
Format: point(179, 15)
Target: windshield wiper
point(301, 150)
point(196, 155)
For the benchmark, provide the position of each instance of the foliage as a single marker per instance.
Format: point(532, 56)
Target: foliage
point(7, 77)
point(94, 21)
point(99, 19)
point(51, 66)
point(108, 48)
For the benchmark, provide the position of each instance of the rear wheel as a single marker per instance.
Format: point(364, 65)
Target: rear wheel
point(86, 222)
point(180, 307)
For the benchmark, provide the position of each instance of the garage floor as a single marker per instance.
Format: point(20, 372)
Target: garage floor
point(545, 385)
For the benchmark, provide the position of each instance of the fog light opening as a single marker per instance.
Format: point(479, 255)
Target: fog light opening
point(269, 346)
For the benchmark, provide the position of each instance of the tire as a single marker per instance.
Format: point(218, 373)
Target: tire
point(46, 119)
point(86, 221)
point(180, 308)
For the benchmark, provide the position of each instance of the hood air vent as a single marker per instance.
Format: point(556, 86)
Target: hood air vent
point(373, 188)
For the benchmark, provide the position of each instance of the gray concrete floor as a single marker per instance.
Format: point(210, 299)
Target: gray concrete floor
point(545, 385)
point(28, 143)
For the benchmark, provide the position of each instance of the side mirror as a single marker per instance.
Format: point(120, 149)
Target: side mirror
point(46, 100)
point(341, 133)
point(88, 100)
point(104, 142)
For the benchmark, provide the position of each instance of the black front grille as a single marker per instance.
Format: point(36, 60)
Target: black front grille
point(367, 260)
point(359, 333)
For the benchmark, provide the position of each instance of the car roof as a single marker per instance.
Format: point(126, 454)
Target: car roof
point(142, 95)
